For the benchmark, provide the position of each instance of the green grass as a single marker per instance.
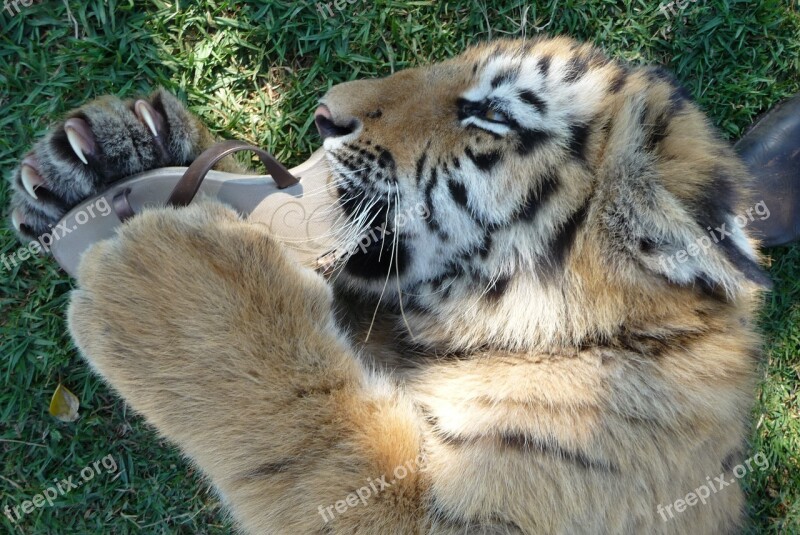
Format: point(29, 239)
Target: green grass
point(254, 70)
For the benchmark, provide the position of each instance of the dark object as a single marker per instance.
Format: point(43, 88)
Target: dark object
point(771, 149)
point(187, 187)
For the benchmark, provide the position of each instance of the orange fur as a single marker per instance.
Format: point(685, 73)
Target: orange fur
point(576, 403)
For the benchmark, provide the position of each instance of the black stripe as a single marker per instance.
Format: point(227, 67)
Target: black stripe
point(654, 345)
point(579, 135)
point(678, 99)
point(268, 469)
point(497, 290)
point(459, 193)
point(469, 108)
point(385, 159)
point(507, 77)
point(534, 100)
point(421, 166)
point(679, 96)
point(367, 155)
point(747, 266)
point(537, 197)
point(486, 246)
point(648, 245)
point(561, 245)
point(576, 68)
point(529, 140)
point(359, 171)
point(451, 271)
point(710, 288)
point(446, 520)
point(644, 113)
point(526, 443)
point(432, 182)
point(431, 221)
point(656, 73)
point(711, 209)
point(544, 65)
point(485, 161)
point(619, 80)
point(657, 132)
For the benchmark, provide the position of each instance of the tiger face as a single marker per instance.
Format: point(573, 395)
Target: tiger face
point(499, 195)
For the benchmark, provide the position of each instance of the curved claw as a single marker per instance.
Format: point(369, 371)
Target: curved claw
point(30, 177)
point(149, 116)
point(80, 138)
point(17, 219)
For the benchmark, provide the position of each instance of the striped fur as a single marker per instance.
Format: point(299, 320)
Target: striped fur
point(531, 342)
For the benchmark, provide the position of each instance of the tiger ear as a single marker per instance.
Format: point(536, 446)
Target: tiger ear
point(716, 257)
point(697, 239)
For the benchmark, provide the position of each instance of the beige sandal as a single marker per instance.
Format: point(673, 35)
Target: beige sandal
point(296, 205)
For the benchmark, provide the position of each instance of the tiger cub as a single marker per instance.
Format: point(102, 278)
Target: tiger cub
point(551, 330)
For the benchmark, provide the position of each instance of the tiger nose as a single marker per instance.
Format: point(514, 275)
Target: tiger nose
point(330, 127)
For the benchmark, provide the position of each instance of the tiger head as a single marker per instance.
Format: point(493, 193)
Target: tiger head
point(536, 193)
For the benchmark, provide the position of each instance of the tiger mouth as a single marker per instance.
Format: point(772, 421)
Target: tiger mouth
point(376, 250)
point(379, 263)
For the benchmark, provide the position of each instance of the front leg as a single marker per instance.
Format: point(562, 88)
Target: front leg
point(201, 322)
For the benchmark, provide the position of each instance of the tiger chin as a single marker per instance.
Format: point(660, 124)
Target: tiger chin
point(559, 338)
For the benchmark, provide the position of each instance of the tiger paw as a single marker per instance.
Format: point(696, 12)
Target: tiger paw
point(99, 143)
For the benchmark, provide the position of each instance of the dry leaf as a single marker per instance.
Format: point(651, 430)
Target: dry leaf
point(64, 404)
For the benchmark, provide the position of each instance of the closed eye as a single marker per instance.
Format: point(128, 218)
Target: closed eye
point(485, 115)
point(495, 116)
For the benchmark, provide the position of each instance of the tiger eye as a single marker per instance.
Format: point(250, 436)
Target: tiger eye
point(494, 115)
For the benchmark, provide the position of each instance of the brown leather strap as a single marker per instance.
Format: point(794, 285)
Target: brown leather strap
point(122, 206)
point(187, 186)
